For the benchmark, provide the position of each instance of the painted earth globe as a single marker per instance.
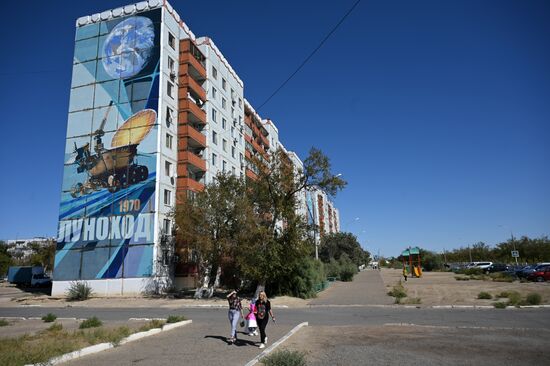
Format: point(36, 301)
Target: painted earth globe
point(128, 47)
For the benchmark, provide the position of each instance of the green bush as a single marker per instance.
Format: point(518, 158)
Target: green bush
point(501, 277)
point(79, 291)
point(48, 318)
point(484, 295)
point(514, 298)
point(503, 294)
point(285, 358)
point(3, 322)
point(533, 299)
point(155, 323)
point(462, 278)
point(300, 280)
point(398, 292)
point(499, 305)
point(90, 323)
point(175, 319)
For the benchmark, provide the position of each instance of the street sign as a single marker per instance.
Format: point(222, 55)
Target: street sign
point(515, 254)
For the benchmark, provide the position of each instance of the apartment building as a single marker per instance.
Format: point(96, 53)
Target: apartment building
point(155, 113)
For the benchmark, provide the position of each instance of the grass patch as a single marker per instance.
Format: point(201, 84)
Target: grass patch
point(533, 299)
point(412, 301)
point(500, 305)
point(41, 347)
point(462, 278)
point(92, 322)
point(175, 319)
point(503, 295)
point(514, 298)
point(484, 295)
point(4, 322)
point(55, 327)
point(155, 323)
point(79, 291)
point(48, 318)
point(399, 292)
point(501, 277)
point(285, 358)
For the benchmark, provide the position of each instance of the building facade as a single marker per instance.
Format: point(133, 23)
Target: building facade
point(154, 114)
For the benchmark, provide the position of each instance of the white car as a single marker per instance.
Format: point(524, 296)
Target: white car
point(480, 265)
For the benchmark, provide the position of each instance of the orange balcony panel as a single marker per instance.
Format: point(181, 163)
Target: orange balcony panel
point(188, 58)
point(190, 132)
point(189, 82)
point(182, 170)
point(248, 138)
point(190, 158)
point(185, 184)
point(250, 174)
point(189, 106)
point(247, 154)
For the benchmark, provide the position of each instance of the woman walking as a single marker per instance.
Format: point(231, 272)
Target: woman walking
point(235, 311)
point(263, 312)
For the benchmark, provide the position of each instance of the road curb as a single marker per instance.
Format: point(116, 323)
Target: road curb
point(105, 346)
point(270, 349)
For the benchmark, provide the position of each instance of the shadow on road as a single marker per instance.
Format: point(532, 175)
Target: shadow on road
point(239, 342)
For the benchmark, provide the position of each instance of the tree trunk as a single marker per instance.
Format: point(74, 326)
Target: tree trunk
point(259, 288)
point(205, 281)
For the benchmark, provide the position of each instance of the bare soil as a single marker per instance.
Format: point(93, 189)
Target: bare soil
point(441, 288)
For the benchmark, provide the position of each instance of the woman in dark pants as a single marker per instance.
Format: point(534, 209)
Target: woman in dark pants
point(263, 312)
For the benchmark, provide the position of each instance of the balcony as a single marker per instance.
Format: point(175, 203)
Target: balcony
point(196, 139)
point(194, 162)
point(195, 69)
point(188, 184)
point(250, 174)
point(188, 82)
point(186, 105)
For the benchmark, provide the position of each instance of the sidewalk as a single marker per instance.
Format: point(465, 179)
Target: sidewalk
point(367, 288)
point(199, 343)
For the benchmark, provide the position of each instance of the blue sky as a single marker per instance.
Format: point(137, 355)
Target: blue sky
point(437, 113)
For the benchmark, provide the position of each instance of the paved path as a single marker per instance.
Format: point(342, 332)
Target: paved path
point(201, 343)
point(367, 288)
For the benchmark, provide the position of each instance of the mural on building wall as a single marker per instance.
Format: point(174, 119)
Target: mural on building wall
point(106, 219)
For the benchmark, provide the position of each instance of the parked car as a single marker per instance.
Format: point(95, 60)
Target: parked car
point(497, 267)
point(481, 265)
point(540, 274)
point(524, 271)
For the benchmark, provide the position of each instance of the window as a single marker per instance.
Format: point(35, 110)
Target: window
point(215, 137)
point(169, 115)
point(171, 40)
point(169, 140)
point(240, 103)
point(232, 131)
point(170, 89)
point(224, 165)
point(214, 92)
point(167, 168)
point(214, 159)
point(224, 84)
point(233, 171)
point(166, 226)
point(232, 112)
point(167, 197)
point(171, 64)
point(214, 114)
point(224, 123)
point(241, 157)
point(224, 103)
point(214, 73)
point(224, 145)
point(233, 152)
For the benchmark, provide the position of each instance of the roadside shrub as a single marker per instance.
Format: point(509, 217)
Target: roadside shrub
point(499, 305)
point(285, 358)
point(300, 280)
point(155, 323)
point(91, 323)
point(501, 277)
point(484, 295)
point(55, 327)
point(462, 278)
point(48, 318)
point(514, 298)
point(3, 322)
point(533, 299)
point(470, 271)
point(399, 292)
point(175, 319)
point(503, 294)
point(79, 291)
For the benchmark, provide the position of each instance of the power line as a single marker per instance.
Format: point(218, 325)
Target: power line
point(311, 54)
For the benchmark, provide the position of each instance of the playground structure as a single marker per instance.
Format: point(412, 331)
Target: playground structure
point(412, 261)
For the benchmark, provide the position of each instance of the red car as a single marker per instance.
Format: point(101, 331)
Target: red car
point(540, 274)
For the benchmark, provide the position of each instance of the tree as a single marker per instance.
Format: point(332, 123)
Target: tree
point(43, 254)
point(212, 225)
point(336, 244)
point(5, 258)
point(280, 239)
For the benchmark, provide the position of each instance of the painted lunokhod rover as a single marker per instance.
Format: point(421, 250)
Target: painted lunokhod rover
point(114, 168)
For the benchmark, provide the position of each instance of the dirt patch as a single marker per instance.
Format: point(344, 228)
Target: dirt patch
point(441, 288)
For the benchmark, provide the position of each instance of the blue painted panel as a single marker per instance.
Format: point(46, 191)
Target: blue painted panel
point(86, 50)
point(87, 31)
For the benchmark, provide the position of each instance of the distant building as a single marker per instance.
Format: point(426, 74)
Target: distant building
point(21, 248)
